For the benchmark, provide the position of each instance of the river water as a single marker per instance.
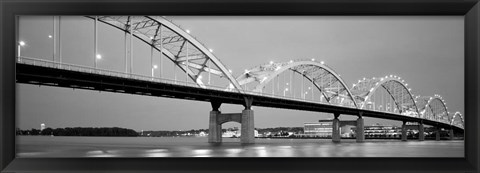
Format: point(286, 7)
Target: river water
point(74, 147)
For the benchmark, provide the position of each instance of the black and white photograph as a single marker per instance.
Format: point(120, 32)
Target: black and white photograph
point(240, 86)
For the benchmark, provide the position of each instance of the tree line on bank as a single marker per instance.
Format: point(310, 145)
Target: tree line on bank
point(80, 131)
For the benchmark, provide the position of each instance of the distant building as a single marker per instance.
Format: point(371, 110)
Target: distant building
point(42, 126)
point(202, 133)
point(324, 128)
point(381, 131)
point(321, 129)
point(236, 133)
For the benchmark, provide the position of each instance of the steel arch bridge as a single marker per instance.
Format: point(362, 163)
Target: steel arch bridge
point(387, 96)
point(174, 43)
point(433, 108)
point(325, 80)
point(395, 87)
point(460, 123)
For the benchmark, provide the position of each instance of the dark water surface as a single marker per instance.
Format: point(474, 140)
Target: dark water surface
point(47, 146)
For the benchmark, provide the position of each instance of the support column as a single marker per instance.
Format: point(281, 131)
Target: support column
point(404, 131)
point(214, 127)
point(437, 134)
point(336, 128)
point(360, 128)
point(248, 128)
point(421, 132)
point(451, 134)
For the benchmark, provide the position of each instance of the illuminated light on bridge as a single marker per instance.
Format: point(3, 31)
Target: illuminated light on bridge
point(385, 97)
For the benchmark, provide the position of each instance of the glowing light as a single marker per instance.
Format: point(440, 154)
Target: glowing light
point(286, 89)
point(155, 66)
point(229, 70)
point(99, 56)
point(200, 77)
point(291, 61)
point(271, 62)
point(151, 38)
point(211, 50)
point(188, 31)
point(246, 71)
point(22, 43)
point(287, 83)
point(321, 62)
point(50, 36)
point(313, 59)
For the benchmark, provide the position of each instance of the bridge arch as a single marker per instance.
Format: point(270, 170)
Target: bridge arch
point(325, 79)
point(364, 89)
point(460, 124)
point(433, 108)
point(174, 43)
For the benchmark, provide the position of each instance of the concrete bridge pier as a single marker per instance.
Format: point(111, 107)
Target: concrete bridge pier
point(336, 128)
point(421, 132)
point(450, 133)
point(214, 127)
point(248, 128)
point(247, 121)
point(404, 131)
point(245, 118)
point(437, 134)
point(360, 128)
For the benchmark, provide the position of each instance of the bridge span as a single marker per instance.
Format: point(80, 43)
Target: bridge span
point(307, 84)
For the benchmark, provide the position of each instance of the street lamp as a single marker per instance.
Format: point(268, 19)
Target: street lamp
point(286, 89)
point(153, 68)
point(97, 57)
point(20, 44)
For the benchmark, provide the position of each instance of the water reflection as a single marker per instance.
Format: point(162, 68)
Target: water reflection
point(199, 147)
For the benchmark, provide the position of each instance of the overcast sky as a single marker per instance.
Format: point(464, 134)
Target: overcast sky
point(426, 51)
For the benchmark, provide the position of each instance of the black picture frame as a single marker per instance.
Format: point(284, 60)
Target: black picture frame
point(9, 9)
